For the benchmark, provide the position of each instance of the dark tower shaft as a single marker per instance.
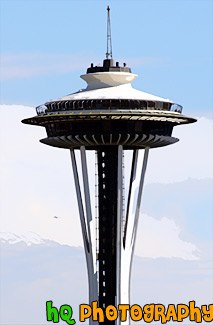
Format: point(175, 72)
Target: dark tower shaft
point(107, 176)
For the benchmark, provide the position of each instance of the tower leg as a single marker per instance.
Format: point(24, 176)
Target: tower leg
point(133, 210)
point(86, 226)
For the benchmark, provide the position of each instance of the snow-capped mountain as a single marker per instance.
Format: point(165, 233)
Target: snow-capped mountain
point(34, 270)
point(29, 238)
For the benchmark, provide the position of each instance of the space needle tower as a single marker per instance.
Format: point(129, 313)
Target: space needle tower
point(109, 118)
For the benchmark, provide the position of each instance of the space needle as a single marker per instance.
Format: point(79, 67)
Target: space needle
point(109, 118)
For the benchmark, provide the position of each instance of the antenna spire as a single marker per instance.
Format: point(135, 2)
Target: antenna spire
point(109, 39)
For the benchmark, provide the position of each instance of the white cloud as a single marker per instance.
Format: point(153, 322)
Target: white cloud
point(36, 64)
point(161, 238)
point(191, 157)
point(143, 61)
point(37, 183)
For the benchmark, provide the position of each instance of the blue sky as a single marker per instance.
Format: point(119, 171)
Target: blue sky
point(46, 45)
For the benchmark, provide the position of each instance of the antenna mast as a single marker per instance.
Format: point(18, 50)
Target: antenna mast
point(109, 39)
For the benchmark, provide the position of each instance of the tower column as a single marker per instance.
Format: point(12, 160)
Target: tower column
point(87, 225)
point(133, 209)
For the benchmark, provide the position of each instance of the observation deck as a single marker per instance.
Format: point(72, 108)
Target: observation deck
point(109, 112)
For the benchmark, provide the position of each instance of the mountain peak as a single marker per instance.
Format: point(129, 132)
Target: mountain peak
point(29, 238)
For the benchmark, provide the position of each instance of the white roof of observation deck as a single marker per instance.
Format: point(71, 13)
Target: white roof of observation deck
point(111, 85)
